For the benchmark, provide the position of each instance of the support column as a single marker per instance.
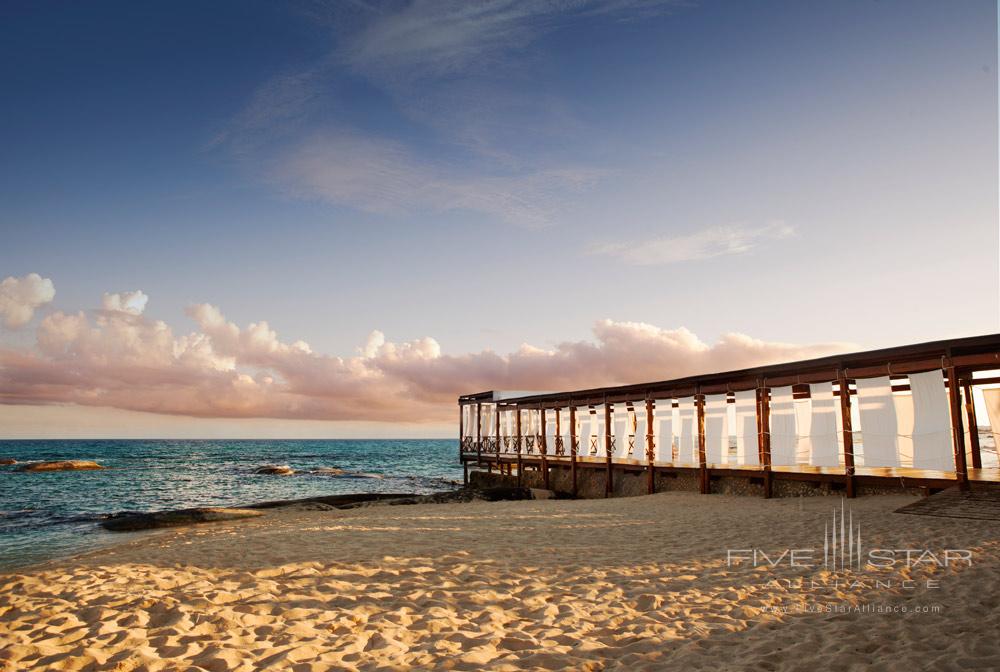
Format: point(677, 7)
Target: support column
point(517, 441)
point(848, 430)
point(958, 433)
point(650, 449)
point(970, 414)
point(479, 432)
point(572, 446)
point(702, 461)
point(496, 434)
point(764, 438)
point(543, 448)
point(608, 485)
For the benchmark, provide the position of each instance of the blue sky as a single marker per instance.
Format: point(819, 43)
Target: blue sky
point(502, 173)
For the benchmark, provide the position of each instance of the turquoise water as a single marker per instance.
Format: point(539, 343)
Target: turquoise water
point(55, 514)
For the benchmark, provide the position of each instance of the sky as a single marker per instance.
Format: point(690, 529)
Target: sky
point(332, 218)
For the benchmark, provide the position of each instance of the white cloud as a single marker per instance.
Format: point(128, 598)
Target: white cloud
point(516, 160)
point(712, 242)
point(443, 37)
point(20, 297)
point(132, 303)
point(124, 360)
point(383, 177)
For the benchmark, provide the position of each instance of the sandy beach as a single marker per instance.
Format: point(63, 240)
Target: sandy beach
point(623, 584)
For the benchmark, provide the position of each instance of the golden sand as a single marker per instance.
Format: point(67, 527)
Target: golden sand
point(623, 584)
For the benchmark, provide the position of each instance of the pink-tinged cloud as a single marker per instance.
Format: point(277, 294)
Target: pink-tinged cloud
point(116, 357)
point(21, 297)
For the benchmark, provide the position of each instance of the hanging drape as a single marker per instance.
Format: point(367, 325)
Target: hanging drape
point(824, 431)
point(621, 428)
point(783, 428)
point(687, 445)
point(663, 430)
point(716, 429)
point(932, 444)
point(877, 412)
point(747, 449)
point(639, 451)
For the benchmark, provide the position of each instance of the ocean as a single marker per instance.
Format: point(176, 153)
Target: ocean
point(50, 515)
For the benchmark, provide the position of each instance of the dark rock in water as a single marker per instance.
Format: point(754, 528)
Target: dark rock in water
point(128, 522)
point(464, 495)
point(334, 471)
point(61, 465)
point(7, 460)
point(336, 501)
point(328, 471)
point(275, 469)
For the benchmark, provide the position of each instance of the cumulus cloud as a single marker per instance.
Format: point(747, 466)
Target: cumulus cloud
point(122, 359)
point(712, 242)
point(20, 297)
point(132, 303)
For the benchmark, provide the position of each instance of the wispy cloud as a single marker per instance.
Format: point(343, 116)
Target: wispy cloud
point(716, 241)
point(451, 69)
point(122, 359)
point(434, 37)
point(384, 177)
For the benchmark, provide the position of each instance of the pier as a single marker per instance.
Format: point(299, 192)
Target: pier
point(902, 418)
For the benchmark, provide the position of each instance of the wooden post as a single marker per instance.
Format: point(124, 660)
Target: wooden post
point(608, 485)
point(479, 432)
point(764, 438)
point(461, 431)
point(543, 448)
point(650, 449)
point(958, 434)
point(496, 434)
point(848, 429)
point(572, 447)
point(517, 441)
point(702, 462)
point(970, 414)
point(558, 437)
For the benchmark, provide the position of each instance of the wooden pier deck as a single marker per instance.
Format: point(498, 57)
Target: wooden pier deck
point(540, 447)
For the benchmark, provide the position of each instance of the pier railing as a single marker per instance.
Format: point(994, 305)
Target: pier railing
point(903, 413)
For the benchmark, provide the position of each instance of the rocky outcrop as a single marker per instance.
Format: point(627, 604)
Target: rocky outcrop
point(275, 470)
point(61, 465)
point(129, 522)
point(4, 461)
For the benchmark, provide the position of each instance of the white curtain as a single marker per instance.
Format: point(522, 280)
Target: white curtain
point(878, 422)
point(663, 430)
point(991, 396)
point(903, 403)
point(639, 452)
point(564, 431)
point(687, 444)
point(716, 429)
point(783, 429)
point(932, 447)
point(550, 431)
point(470, 420)
point(824, 431)
point(621, 421)
point(746, 428)
point(601, 431)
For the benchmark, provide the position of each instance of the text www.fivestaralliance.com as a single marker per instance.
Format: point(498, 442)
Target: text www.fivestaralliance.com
point(845, 608)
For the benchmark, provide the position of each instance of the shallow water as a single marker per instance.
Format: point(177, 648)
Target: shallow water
point(49, 515)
